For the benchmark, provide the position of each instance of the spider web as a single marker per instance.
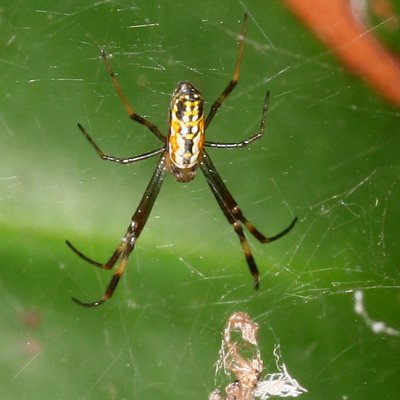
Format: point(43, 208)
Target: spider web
point(329, 156)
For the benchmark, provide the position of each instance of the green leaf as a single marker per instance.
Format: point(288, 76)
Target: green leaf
point(330, 156)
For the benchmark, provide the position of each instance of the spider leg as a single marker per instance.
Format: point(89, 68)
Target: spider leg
point(210, 174)
point(233, 82)
point(235, 216)
point(118, 160)
point(141, 120)
point(133, 232)
point(108, 265)
point(111, 286)
point(251, 139)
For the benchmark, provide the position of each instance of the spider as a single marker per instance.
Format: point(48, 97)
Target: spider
point(181, 154)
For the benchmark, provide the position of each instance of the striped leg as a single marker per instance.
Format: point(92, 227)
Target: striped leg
point(128, 242)
point(235, 216)
point(118, 160)
point(233, 82)
point(251, 139)
point(135, 117)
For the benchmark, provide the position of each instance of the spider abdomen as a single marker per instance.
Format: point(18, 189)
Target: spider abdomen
point(186, 130)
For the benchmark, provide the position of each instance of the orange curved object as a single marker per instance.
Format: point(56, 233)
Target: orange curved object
point(336, 24)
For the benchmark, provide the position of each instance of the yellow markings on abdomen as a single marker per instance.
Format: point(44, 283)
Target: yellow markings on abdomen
point(186, 135)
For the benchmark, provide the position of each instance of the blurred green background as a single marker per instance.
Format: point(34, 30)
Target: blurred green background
point(330, 156)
